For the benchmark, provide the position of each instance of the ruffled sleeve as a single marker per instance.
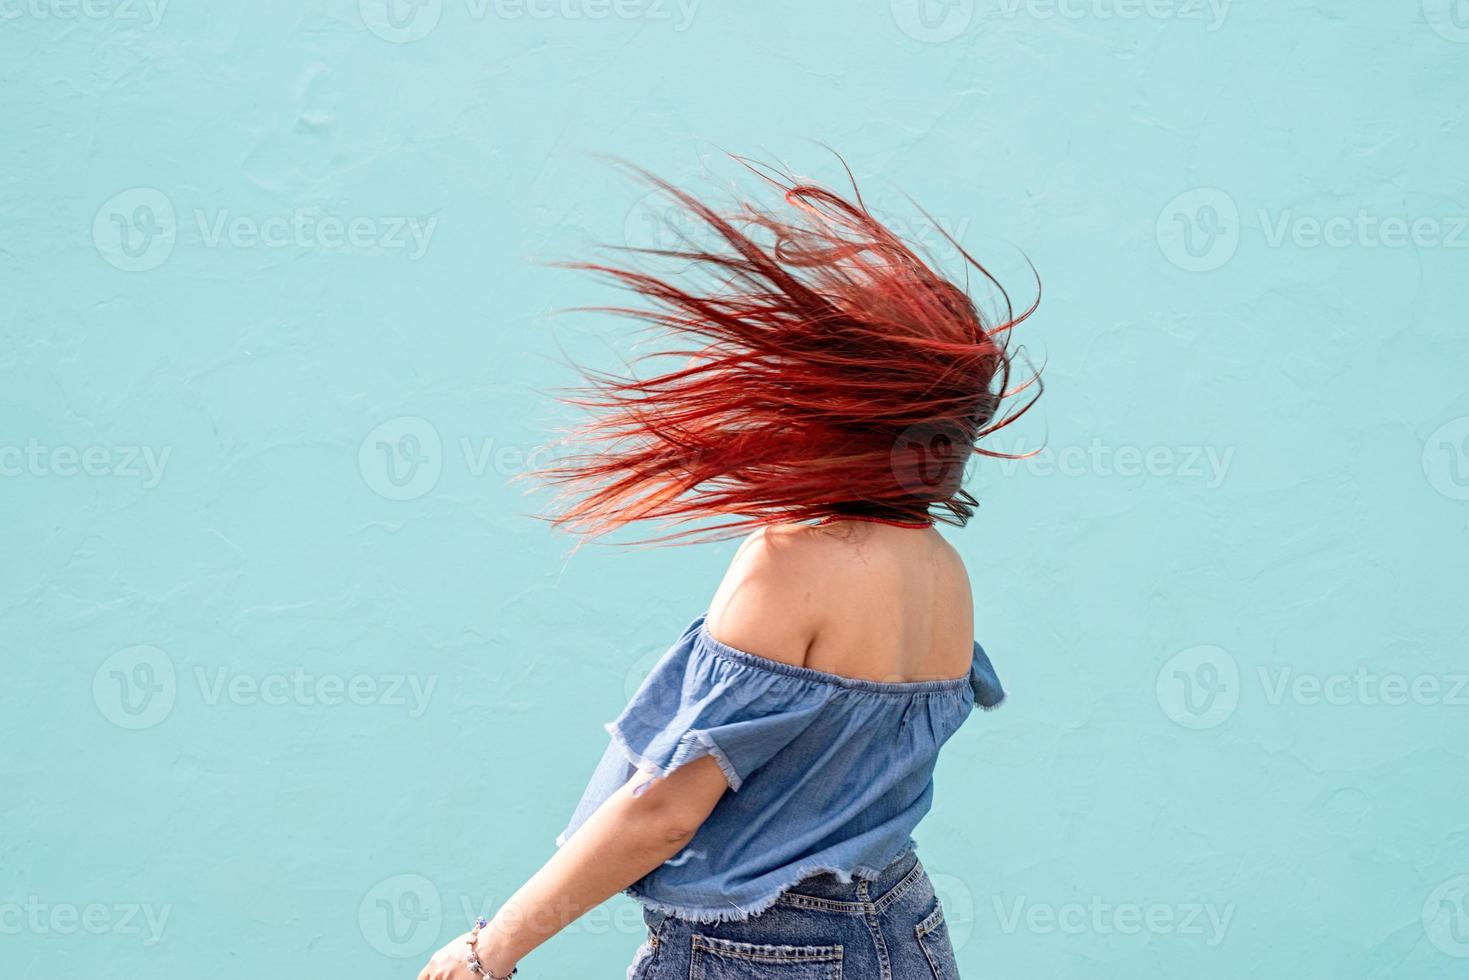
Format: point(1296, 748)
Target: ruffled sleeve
point(986, 683)
point(695, 703)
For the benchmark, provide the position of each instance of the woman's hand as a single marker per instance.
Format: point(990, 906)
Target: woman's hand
point(452, 962)
point(449, 963)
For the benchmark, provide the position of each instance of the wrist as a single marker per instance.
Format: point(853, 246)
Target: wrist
point(492, 950)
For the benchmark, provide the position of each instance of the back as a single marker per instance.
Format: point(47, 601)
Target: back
point(841, 662)
point(856, 598)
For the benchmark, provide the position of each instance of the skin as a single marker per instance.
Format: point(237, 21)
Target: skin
point(854, 598)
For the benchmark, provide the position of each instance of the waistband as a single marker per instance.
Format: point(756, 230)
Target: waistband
point(827, 890)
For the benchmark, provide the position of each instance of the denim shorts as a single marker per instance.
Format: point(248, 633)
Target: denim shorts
point(887, 928)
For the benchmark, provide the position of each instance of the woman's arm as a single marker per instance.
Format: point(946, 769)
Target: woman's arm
point(627, 837)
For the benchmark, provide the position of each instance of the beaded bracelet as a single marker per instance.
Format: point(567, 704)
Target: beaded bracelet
point(475, 966)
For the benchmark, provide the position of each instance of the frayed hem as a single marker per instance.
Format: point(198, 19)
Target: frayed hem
point(703, 915)
point(737, 913)
point(992, 705)
point(692, 745)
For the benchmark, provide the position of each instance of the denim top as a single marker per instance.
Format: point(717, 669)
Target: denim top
point(829, 773)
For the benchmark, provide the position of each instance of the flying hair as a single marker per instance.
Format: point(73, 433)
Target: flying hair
point(813, 365)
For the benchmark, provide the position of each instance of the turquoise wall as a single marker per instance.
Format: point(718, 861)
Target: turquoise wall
point(293, 686)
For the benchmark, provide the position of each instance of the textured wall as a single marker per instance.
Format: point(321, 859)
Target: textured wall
point(292, 686)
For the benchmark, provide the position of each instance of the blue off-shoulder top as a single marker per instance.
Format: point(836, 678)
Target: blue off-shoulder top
point(829, 773)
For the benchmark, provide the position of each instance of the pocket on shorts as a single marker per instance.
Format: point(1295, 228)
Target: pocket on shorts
point(725, 959)
point(933, 939)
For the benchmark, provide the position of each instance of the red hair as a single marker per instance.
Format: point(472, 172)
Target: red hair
point(826, 369)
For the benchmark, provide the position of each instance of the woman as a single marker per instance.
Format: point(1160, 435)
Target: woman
point(760, 789)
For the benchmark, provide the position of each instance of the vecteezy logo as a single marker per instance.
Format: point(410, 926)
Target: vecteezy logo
point(135, 230)
point(1448, 18)
point(401, 915)
point(402, 458)
point(932, 21)
point(928, 459)
point(1199, 687)
point(136, 687)
point(957, 899)
point(1199, 229)
point(1446, 459)
point(400, 21)
point(657, 221)
point(1446, 917)
point(639, 669)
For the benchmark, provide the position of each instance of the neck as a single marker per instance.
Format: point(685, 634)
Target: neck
point(906, 516)
point(876, 520)
point(886, 515)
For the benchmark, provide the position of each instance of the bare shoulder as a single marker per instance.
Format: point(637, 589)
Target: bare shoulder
point(863, 600)
point(771, 601)
point(953, 562)
point(957, 592)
